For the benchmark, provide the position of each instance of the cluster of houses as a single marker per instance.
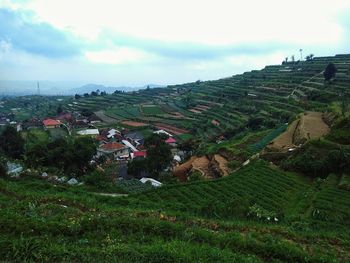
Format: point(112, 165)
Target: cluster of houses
point(119, 145)
point(67, 119)
point(8, 119)
point(122, 145)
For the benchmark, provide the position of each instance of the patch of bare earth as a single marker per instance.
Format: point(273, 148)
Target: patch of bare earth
point(170, 128)
point(195, 111)
point(309, 126)
point(201, 164)
point(222, 163)
point(134, 123)
point(209, 166)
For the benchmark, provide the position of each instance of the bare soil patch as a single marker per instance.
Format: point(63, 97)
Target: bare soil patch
point(134, 123)
point(309, 126)
point(170, 128)
point(195, 111)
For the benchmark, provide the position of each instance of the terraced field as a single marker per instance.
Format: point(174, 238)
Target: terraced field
point(212, 108)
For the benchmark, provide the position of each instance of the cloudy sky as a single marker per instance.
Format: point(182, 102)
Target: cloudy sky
point(136, 42)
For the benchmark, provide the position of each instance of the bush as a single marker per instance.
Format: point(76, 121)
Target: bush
point(99, 180)
point(319, 158)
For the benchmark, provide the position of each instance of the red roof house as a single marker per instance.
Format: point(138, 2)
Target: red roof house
point(170, 140)
point(50, 123)
point(140, 154)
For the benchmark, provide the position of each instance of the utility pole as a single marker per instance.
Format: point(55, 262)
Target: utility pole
point(38, 88)
point(301, 54)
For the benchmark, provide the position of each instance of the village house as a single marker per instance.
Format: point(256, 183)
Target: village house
point(135, 137)
point(89, 132)
point(139, 155)
point(171, 141)
point(51, 123)
point(94, 119)
point(113, 150)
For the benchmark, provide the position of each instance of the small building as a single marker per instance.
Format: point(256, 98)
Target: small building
point(113, 150)
point(51, 123)
point(139, 154)
point(112, 133)
point(171, 141)
point(94, 119)
point(135, 137)
point(128, 144)
point(153, 182)
point(90, 132)
point(163, 132)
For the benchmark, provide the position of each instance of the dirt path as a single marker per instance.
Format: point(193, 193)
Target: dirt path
point(112, 194)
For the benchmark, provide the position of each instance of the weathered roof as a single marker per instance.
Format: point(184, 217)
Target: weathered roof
point(140, 154)
point(170, 140)
point(89, 132)
point(153, 182)
point(51, 122)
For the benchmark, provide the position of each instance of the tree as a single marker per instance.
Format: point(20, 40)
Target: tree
point(86, 95)
point(136, 167)
point(309, 57)
point(3, 170)
point(329, 72)
point(86, 112)
point(81, 152)
point(77, 96)
point(59, 109)
point(158, 154)
point(11, 143)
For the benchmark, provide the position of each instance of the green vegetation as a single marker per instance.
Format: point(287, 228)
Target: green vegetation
point(35, 214)
point(297, 211)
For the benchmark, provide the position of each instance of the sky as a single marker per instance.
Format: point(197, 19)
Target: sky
point(136, 42)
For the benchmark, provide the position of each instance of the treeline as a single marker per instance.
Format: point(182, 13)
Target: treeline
point(69, 155)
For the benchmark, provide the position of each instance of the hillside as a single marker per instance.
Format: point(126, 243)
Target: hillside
point(221, 107)
point(201, 222)
point(263, 174)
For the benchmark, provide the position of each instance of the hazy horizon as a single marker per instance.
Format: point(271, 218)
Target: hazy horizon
point(132, 44)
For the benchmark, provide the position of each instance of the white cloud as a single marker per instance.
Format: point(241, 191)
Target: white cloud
point(209, 22)
point(284, 25)
point(117, 56)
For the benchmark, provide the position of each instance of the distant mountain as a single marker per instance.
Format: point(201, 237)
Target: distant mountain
point(88, 88)
point(21, 88)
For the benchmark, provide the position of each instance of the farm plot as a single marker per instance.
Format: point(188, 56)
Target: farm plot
point(152, 110)
point(170, 128)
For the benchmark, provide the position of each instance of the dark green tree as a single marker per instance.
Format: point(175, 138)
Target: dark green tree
point(136, 167)
point(158, 154)
point(329, 72)
point(59, 109)
point(12, 143)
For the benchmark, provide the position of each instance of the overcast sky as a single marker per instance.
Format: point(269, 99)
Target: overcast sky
point(129, 42)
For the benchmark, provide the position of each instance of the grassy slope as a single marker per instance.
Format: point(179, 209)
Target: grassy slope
point(42, 222)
